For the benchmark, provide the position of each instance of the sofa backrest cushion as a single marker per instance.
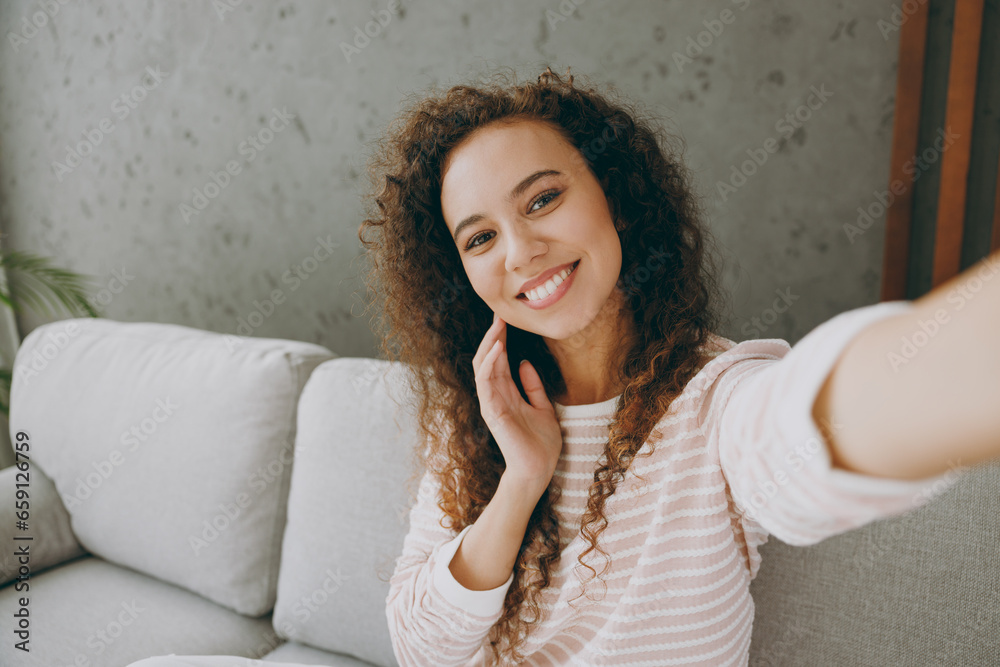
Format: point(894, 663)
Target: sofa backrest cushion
point(348, 508)
point(170, 446)
point(52, 541)
point(916, 589)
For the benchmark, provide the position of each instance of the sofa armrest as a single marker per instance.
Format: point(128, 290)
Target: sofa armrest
point(52, 542)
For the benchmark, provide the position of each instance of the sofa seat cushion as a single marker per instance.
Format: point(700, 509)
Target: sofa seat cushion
point(171, 447)
point(289, 654)
point(296, 653)
point(91, 613)
point(313, 658)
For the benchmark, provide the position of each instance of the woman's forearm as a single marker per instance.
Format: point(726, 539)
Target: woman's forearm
point(486, 555)
point(914, 395)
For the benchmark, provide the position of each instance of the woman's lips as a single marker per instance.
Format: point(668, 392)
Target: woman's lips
point(556, 295)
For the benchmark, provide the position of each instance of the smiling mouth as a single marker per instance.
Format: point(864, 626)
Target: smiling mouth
point(522, 296)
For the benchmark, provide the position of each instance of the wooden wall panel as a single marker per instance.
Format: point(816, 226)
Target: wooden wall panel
point(964, 60)
point(905, 133)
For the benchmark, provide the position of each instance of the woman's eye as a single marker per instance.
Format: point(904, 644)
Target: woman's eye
point(546, 196)
point(472, 242)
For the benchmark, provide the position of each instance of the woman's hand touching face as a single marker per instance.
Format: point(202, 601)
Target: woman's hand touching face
point(528, 434)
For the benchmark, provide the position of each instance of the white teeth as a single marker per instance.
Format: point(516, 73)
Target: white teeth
point(550, 285)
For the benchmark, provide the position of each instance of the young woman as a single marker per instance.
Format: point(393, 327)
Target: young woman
point(544, 228)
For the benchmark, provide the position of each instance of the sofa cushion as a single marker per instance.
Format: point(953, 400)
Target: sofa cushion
point(348, 509)
point(917, 589)
point(91, 613)
point(51, 539)
point(309, 658)
point(170, 446)
point(300, 654)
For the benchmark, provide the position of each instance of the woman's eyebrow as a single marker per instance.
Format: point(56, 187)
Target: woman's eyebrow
point(514, 194)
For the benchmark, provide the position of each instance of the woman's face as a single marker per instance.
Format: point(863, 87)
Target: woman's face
point(521, 204)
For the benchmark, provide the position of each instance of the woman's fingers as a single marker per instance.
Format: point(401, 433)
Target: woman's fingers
point(502, 365)
point(501, 330)
point(486, 384)
point(533, 386)
point(497, 391)
point(485, 371)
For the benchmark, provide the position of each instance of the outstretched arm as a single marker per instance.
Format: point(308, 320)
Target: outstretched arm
point(918, 393)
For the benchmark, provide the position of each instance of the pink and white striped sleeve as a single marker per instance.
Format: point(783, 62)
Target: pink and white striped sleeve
point(433, 619)
point(757, 415)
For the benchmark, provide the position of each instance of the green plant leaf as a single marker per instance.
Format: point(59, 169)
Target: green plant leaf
point(6, 377)
point(33, 280)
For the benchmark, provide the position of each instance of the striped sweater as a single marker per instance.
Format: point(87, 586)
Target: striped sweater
point(740, 459)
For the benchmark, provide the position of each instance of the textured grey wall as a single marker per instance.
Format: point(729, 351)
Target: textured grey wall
point(171, 93)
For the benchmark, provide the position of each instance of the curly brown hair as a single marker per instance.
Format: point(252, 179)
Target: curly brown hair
point(433, 321)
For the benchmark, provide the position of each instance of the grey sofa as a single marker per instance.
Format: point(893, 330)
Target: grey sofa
point(202, 494)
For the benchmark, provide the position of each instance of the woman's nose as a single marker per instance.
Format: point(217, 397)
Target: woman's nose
point(522, 247)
